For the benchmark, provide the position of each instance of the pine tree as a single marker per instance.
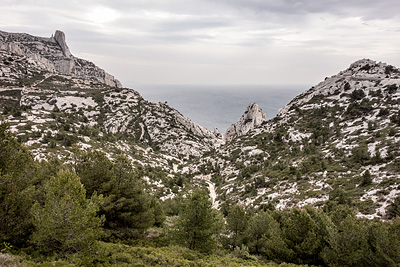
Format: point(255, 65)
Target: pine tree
point(383, 247)
point(127, 207)
point(198, 223)
point(17, 180)
point(95, 170)
point(159, 215)
point(366, 178)
point(237, 221)
point(394, 240)
point(301, 234)
point(346, 243)
point(67, 222)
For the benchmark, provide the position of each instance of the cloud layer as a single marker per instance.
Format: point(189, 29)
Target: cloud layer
point(216, 42)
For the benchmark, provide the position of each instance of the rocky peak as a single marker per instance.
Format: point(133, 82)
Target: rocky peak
point(362, 63)
point(59, 37)
point(365, 72)
point(252, 117)
point(366, 68)
point(355, 110)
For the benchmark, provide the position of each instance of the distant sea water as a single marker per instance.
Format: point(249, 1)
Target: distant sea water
point(220, 106)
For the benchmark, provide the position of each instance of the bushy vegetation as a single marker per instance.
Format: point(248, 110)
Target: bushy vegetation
point(96, 211)
point(67, 221)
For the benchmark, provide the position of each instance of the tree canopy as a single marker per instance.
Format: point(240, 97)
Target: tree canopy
point(67, 221)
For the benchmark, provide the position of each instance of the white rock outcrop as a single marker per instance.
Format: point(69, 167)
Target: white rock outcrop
point(59, 36)
point(252, 117)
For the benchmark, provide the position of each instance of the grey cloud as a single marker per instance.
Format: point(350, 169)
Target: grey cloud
point(193, 24)
point(369, 9)
point(173, 38)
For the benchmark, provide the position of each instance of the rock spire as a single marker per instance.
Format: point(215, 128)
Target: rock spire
point(252, 117)
point(59, 36)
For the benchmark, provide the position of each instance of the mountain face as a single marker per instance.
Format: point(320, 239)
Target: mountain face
point(339, 138)
point(53, 55)
point(52, 99)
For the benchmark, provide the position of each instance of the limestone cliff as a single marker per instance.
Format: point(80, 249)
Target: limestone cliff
point(44, 78)
point(53, 55)
point(252, 117)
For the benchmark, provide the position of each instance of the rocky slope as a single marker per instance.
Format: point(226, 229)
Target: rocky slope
point(55, 109)
point(340, 137)
point(342, 134)
point(53, 55)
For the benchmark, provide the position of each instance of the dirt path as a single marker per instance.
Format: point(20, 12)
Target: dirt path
point(142, 134)
point(211, 188)
point(40, 81)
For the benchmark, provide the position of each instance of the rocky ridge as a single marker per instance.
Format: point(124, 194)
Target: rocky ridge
point(54, 112)
point(342, 134)
point(53, 55)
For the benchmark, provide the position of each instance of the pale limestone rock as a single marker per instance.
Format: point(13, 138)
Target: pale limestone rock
point(124, 111)
point(53, 55)
point(252, 117)
point(65, 66)
point(363, 70)
point(59, 36)
point(184, 137)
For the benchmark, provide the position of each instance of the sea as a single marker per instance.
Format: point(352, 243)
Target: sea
point(219, 106)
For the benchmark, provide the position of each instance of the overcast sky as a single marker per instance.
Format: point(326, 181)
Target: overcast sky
point(216, 41)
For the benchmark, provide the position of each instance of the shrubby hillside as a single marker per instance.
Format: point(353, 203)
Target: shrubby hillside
point(342, 134)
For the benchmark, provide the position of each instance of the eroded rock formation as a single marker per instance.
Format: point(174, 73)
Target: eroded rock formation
point(252, 117)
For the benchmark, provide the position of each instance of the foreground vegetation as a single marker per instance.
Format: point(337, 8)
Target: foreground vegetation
point(96, 211)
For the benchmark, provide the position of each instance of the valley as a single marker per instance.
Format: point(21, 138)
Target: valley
point(335, 147)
